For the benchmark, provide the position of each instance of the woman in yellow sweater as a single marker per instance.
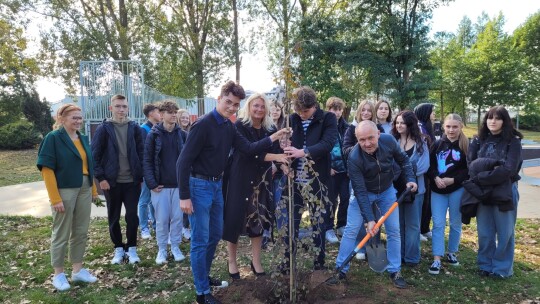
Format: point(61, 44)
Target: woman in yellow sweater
point(65, 161)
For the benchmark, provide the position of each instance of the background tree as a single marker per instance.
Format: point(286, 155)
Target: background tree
point(17, 71)
point(526, 40)
point(91, 30)
point(202, 31)
point(493, 68)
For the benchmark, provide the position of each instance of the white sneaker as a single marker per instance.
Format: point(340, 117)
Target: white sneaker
point(360, 256)
point(428, 234)
point(132, 255)
point(83, 276)
point(423, 238)
point(331, 236)
point(145, 234)
point(60, 282)
point(340, 231)
point(119, 255)
point(177, 254)
point(186, 233)
point(161, 257)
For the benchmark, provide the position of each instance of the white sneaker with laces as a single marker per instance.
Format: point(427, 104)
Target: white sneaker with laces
point(145, 234)
point(177, 254)
point(360, 256)
point(186, 233)
point(83, 276)
point(60, 282)
point(428, 234)
point(119, 254)
point(132, 255)
point(161, 257)
point(423, 238)
point(331, 236)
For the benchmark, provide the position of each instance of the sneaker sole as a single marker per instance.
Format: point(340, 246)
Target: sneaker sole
point(434, 272)
point(456, 264)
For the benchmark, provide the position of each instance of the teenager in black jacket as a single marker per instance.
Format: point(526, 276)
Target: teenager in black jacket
point(497, 139)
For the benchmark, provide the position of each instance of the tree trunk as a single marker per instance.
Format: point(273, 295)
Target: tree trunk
point(236, 47)
point(199, 78)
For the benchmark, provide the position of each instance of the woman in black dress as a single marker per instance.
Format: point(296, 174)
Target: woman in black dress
point(248, 188)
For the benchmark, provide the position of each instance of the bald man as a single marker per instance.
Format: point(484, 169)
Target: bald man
point(370, 170)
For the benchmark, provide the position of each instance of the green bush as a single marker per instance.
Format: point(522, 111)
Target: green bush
point(529, 122)
point(19, 135)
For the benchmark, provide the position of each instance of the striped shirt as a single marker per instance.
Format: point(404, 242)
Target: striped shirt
point(300, 168)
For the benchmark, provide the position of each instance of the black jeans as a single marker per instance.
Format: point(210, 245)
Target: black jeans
point(128, 194)
point(426, 208)
point(339, 188)
point(319, 238)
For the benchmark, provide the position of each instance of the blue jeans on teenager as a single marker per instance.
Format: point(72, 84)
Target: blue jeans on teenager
point(409, 226)
point(383, 202)
point(496, 237)
point(206, 229)
point(440, 203)
point(146, 210)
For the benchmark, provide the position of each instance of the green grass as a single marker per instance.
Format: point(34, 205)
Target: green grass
point(17, 167)
point(26, 272)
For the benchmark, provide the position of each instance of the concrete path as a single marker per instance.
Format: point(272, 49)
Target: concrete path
point(31, 199)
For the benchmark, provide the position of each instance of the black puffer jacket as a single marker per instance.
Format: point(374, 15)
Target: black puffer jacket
point(487, 194)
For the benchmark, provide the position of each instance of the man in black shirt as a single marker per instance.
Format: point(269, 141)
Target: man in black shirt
point(200, 169)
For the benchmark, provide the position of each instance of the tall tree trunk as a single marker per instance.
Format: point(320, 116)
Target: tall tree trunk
point(236, 47)
point(199, 78)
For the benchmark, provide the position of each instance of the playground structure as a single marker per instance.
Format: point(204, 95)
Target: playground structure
point(100, 80)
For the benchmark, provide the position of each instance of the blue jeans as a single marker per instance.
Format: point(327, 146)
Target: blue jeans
point(409, 226)
point(281, 211)
point(146, 210)
point(496, 237)
point(383, 201)
point(440, 203)
point(206, 229)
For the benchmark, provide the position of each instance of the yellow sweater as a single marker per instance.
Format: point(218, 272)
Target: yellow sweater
point(50, 178)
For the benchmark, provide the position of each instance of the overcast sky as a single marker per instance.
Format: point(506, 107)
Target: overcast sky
point(256, 76)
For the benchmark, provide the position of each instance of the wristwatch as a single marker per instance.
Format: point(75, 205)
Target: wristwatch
point(306, 152)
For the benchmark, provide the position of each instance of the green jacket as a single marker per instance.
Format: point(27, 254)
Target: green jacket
point(58, 152)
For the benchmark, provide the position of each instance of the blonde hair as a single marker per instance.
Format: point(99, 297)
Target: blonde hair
point(245, 116)
point(63, 113)
point(117, 97)
point(358, 114)
point(179, 117)
point(463, 140)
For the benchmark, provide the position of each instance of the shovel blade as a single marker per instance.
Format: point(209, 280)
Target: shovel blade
point(376, 256)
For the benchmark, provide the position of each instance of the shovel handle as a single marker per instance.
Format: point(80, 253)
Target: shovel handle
point(383, 219)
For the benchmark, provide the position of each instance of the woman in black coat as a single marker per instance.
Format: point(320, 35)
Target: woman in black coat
point(248, 204)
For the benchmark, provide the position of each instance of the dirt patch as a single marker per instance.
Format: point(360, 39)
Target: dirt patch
point(310, 288)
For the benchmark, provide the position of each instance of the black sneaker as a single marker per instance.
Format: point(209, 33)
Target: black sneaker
point(398, 280)
point(484, 273)
point(452, 259)
point(217, 283)
point(336, 279)
point(207, 299)
point(435, 267)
